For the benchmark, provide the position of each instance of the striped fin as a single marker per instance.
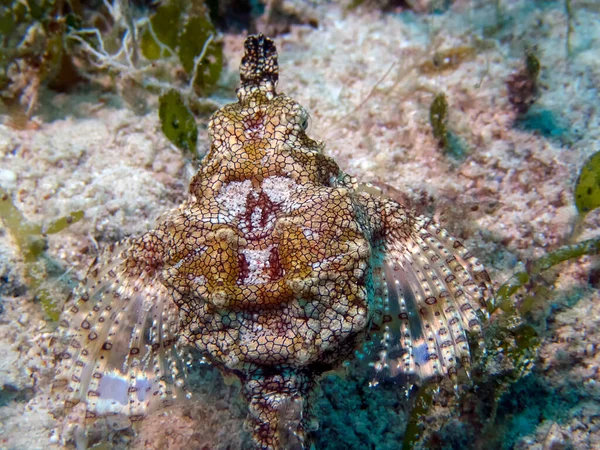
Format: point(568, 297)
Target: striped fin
point(119, 343)
point(434, 291)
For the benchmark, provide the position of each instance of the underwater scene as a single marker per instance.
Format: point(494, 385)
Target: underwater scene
point(300, 224)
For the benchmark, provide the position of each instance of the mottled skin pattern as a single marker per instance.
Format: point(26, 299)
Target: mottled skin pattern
point(276, 269)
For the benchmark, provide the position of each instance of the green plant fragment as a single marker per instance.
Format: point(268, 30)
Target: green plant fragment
point(438, 117)
point(73, 22)
point(49, 304)
point(570, 28)
point(27, 236)
point(516, 341)
point(538, 294)
point(178, 123)
point(165, 25)
point(564, 253)
point(532, 63)
point(354, 4)
point(198, 39)
point(449, 59)
point(414, 427)
point(509, 288)
point(52, 56)
point(45, 290)
point(587, 187)
point(36, 9)
point(62, 223)
point(8, 23)
point(32, 33)
point(521, 278)
point(150, 48)
point(39, 269)
point(526, 343)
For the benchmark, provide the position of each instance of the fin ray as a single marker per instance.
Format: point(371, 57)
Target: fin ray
point(119, 334)
point(435, 293)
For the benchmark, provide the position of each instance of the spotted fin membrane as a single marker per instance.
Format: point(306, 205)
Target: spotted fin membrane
point(433, 292)
point(119, 337)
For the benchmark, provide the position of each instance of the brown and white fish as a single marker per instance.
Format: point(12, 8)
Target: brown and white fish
point(277, 269)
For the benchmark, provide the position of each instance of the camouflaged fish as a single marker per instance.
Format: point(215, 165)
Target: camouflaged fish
point(278, 268)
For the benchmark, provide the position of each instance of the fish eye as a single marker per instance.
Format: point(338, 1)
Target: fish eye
point(304, 123)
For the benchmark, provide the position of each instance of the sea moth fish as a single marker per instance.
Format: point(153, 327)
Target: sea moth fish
point(277, 268)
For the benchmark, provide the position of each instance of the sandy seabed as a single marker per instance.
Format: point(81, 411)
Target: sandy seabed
point(509, 198)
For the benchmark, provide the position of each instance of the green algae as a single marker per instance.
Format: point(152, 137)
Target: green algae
point(587, 187)
point(570, 28)
point(61, 223)
point(565, 253)
point(532, 65)
point(31, 240)
point(450, 59)
point(177, 121)
point(451, 144)
point(536, 268)
point(33, 53)
point(438, 119)
point(520, 344)
point(28, 236)
point(420, 409)
point(185, 30)
point(201, 56)
point(164, 31)
point(57, 44)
